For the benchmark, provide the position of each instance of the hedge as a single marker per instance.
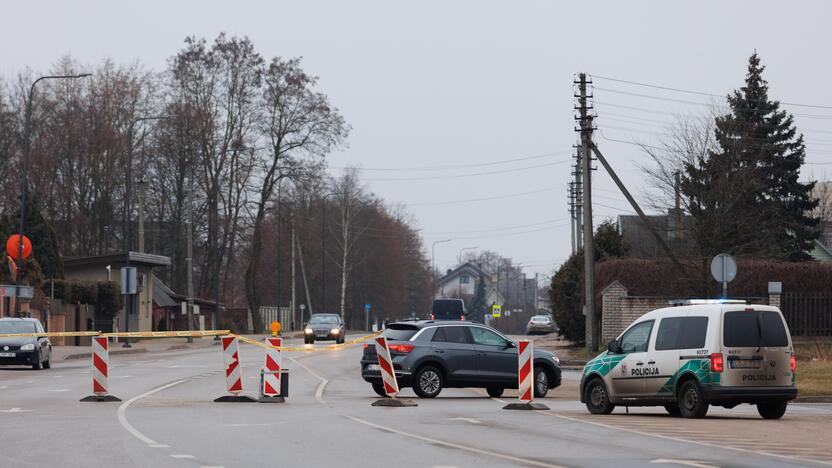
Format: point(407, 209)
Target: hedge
point(104, 295)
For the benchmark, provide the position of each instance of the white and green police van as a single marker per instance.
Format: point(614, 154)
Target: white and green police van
point(688, 357)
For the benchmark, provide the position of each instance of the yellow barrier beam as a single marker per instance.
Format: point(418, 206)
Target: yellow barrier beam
point(310, 349)
point(50, 334)
point(166, 334)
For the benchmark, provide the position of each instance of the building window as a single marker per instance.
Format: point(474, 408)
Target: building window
point(464, 279)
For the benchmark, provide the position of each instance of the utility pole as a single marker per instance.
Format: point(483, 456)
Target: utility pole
point(577, 173)
point(190, 255)
point(294, 298)
point(323, 255)
point(573, 233)
point(585, 120)
point(303, 276)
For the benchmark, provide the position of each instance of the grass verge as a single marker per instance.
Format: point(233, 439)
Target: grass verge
point(814, 378)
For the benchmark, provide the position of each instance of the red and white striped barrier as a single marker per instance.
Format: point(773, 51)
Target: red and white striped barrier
point(100, 371)
point(388, 376)
point(231, 359)
point(272, 366)
point(525, 378)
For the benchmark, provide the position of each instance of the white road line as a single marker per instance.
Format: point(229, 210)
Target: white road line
point(159, 446)
point(122, 410)
point(673, 461)
point(319, 392)
point(466, 448)
point(59, 390)
point(182, 456)
point(687, 441)
point(14, 410)
point(468, 420)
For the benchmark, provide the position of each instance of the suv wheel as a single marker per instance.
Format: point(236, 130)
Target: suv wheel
point(379, 389)
point(427, 382)
point(596, 397)
point(673, 410)
point(692, 402)
point(541, 382)
point(772, 410)
point(494, 392)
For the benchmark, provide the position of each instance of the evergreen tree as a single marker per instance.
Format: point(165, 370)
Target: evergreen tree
point(478, 306)
point(40, 232)
point(745, 198)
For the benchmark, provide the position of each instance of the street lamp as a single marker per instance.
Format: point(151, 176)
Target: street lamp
point(459, 257)
point(23, 179)
point(433, 261)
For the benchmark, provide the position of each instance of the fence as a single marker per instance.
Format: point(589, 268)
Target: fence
point(808, 314)
point(269, 314)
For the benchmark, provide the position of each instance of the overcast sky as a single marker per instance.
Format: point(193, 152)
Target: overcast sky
point(469, 84)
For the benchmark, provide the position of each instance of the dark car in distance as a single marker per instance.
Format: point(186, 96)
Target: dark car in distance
point(431, 355)
point(24, 351)
point(324, 327)
point(447, 309)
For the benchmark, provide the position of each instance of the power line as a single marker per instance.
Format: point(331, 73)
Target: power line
point(471, 200)
point(455, 166)
point(700, 93)
point(475, 174)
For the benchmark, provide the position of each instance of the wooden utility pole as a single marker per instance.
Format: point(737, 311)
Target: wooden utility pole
point(586, 198)
point(190, 255)
point(294, 298)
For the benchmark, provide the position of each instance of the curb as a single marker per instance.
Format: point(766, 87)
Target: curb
point(114, 352)
point(814, 399)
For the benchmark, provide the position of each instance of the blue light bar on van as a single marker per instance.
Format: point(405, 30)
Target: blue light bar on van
point(680, 302)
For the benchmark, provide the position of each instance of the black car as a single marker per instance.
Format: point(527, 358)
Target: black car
point(26, 351)
point(447, 309)
point(324, 327)
point(431, 355)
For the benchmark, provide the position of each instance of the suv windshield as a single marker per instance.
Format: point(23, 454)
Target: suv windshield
point(17, 327)
point(398, 332)
point(750, 329)
point(324, 319)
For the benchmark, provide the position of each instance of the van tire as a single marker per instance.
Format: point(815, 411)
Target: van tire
point(772, 410)
point(673, 410)
point(597, 398)
point(692, 403)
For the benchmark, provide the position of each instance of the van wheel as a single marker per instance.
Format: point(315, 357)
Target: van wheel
point(773, 410)
point(427, 382)
point(673, 410)
point(494, 392)
point(379, 389)
point(692, 402)
point(597, 399)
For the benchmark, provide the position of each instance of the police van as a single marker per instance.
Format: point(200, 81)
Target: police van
point(689, 357)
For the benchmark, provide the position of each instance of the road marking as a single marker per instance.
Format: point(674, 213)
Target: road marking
point(672, 461)
point(249, 424)
point(159, 446)
point(319, 392)
point(678, 439)
point(122, 410)
point(182, 456)
point(468, 420)
point(14, 410)
point(57, 390)
point(466, 448)
point(3, 387)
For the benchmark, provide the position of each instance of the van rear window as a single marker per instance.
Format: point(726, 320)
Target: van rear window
point(750, 329)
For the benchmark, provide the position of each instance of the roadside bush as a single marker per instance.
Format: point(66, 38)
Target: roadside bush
point(108, 299)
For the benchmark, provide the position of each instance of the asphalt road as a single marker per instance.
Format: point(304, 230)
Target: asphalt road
point(168, 419)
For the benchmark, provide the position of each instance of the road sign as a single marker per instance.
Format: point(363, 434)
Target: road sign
point(496, 310)
point(128, 280)
point(724, 270)
point(367, 307)
point(302, 306)
point(13, 246)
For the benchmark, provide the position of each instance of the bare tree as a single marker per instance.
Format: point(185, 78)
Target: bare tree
point(350, 202)
point(298, 125)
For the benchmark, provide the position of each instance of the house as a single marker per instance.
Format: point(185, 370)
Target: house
point(463, 281)
point(108, 268)
point(170, 312)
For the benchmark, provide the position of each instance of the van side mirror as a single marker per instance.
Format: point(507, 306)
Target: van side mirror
point(614, 347)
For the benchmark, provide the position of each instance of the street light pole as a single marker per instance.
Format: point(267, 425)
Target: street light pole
point(459, 257)
point(23, 181)
point(433, 262)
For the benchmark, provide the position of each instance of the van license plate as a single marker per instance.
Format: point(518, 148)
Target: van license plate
point(6, 354)
point(745, 364)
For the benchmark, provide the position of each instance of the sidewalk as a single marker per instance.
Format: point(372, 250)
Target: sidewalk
point(149, 345)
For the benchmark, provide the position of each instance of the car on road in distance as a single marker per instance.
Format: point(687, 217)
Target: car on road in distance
point(431, 355)
point(447, 309)
point(27, 351)
point(540, 324)
point(324, 327)
point(689, 357)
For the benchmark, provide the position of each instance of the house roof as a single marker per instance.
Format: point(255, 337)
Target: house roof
point(465, 267)
point(821, 252)
point(164, 296)
point(135, 258)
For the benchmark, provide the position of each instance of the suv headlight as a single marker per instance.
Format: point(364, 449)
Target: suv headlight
point(28, 347)
point(308, 331)
point(335, 331)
